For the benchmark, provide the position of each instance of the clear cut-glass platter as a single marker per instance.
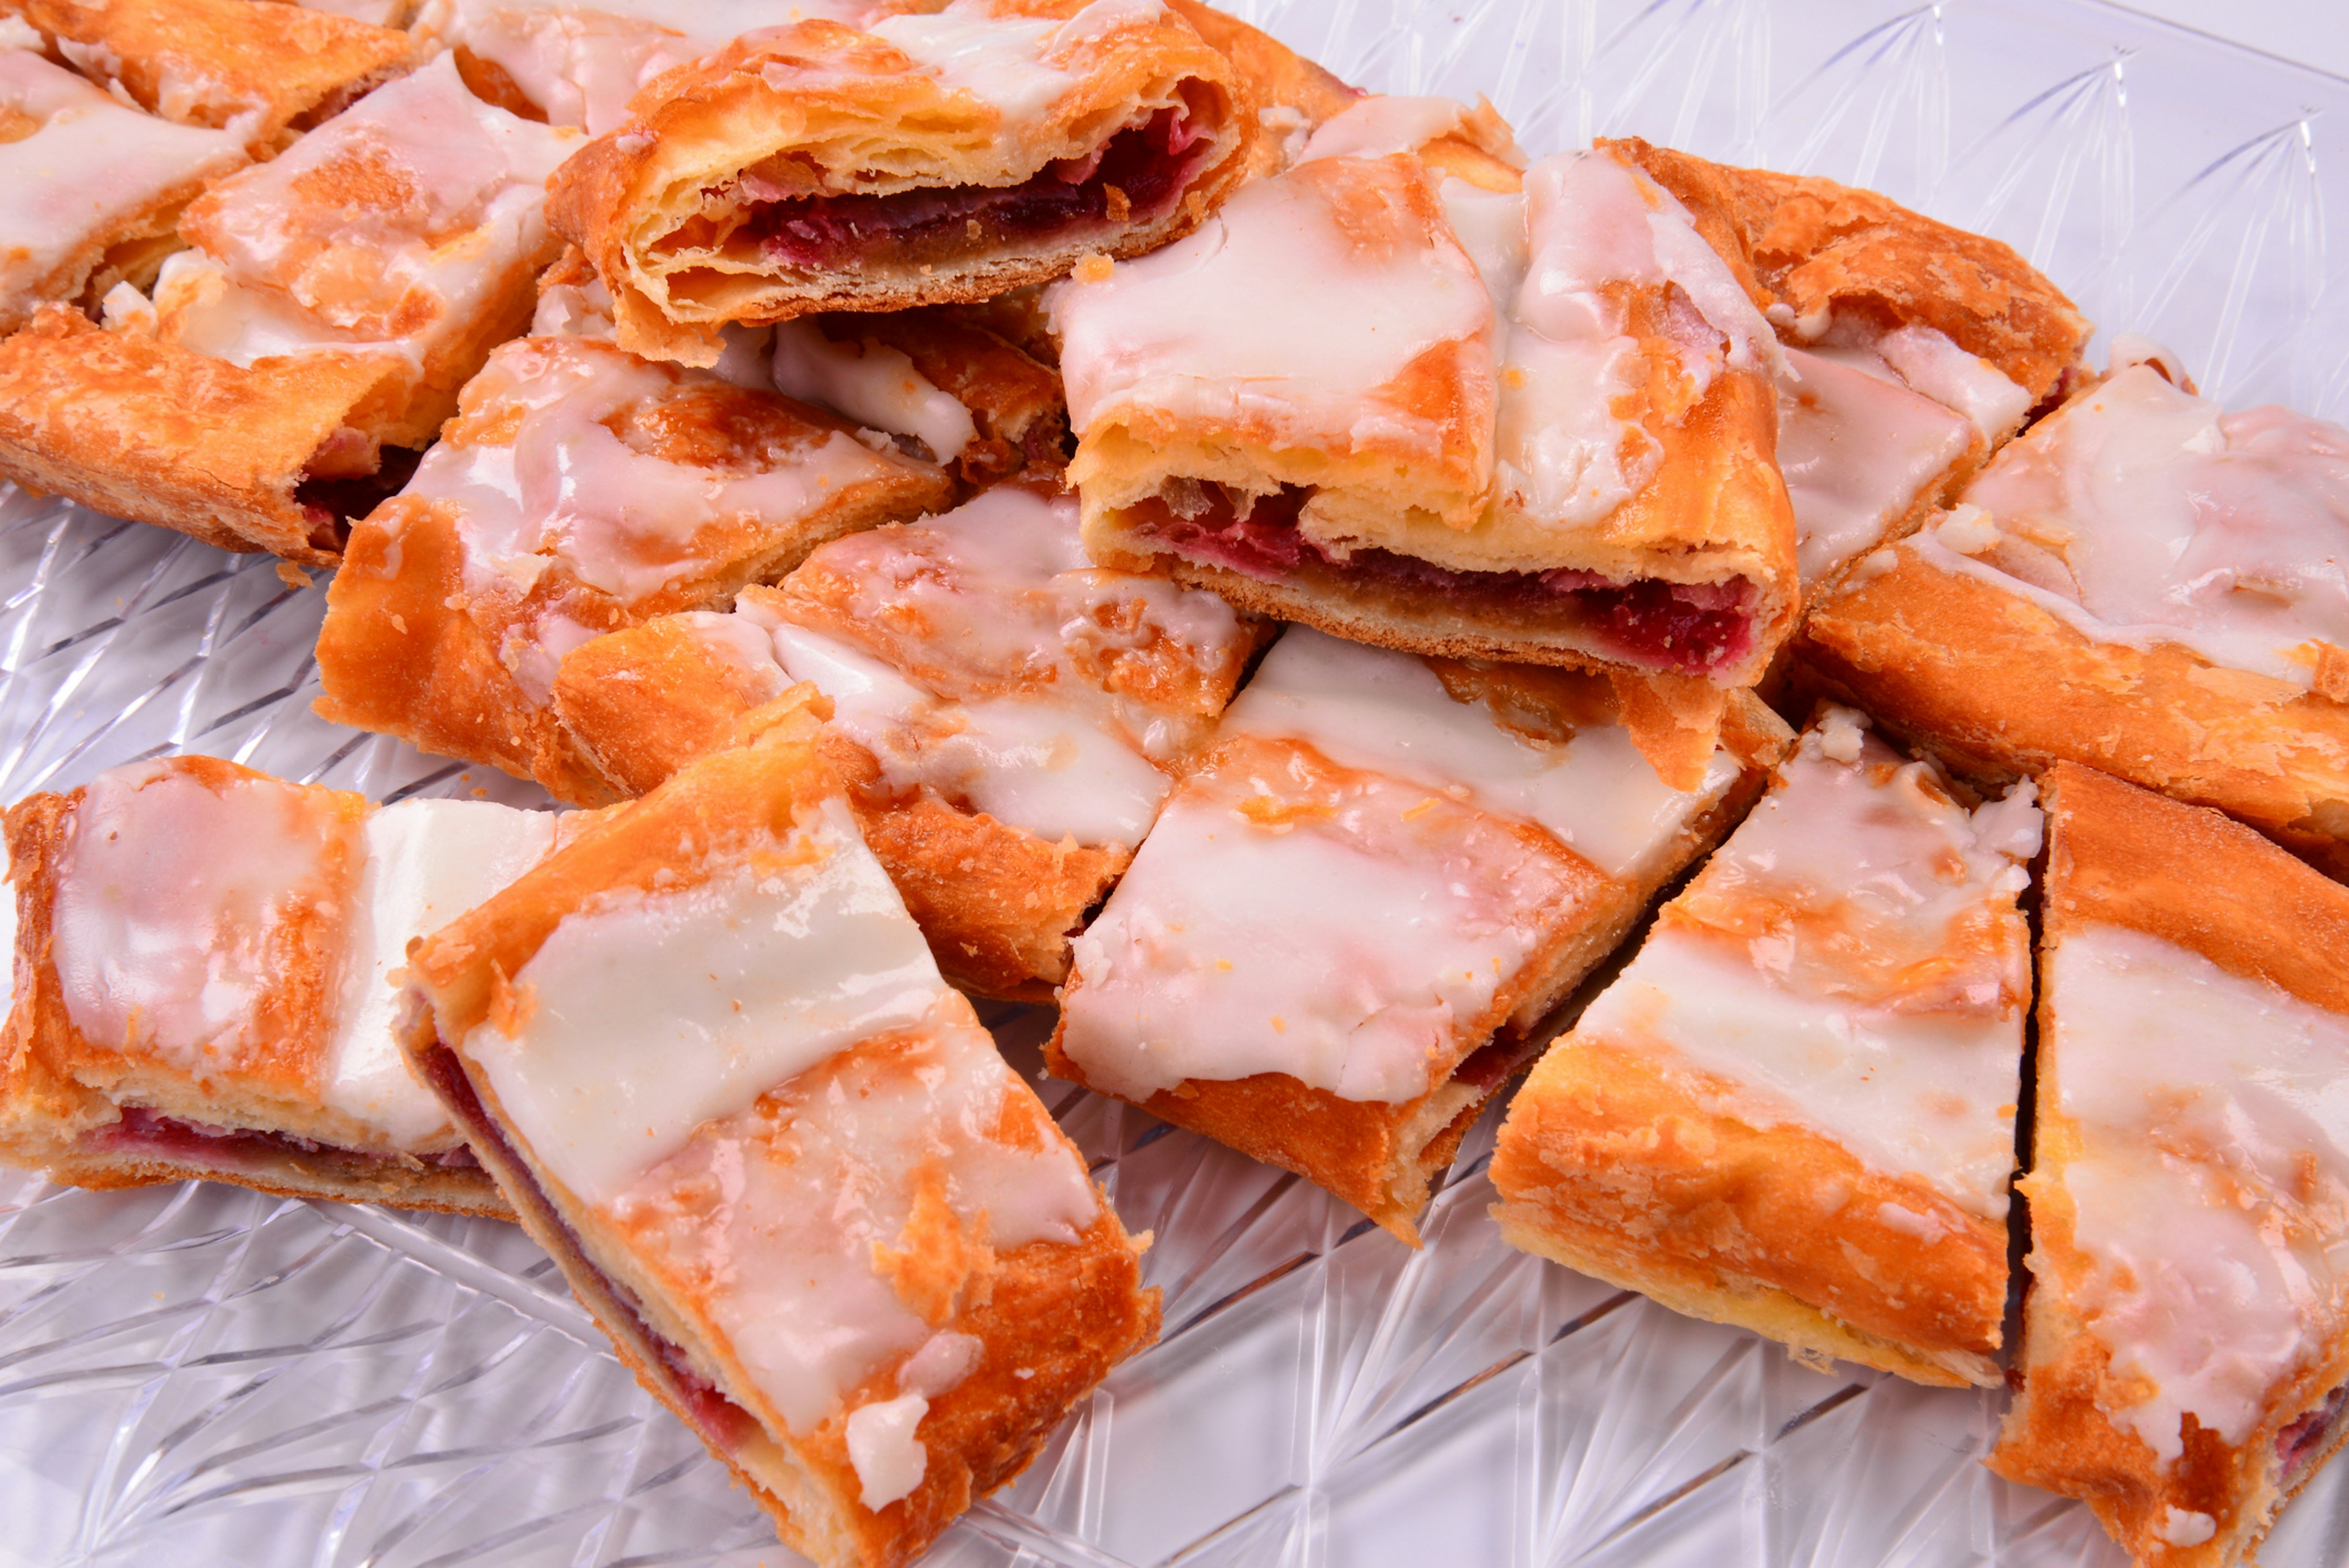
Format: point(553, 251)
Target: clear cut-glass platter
point(201, 1375)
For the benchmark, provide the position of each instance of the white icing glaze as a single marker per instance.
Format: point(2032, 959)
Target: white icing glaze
point(1965, 383)
point(2211, 1180)
point(428, 862)
point(86, 163)
point(1875, 987)
point(455, 192)
point(566, 487)
point(1387, 712)
point(772, 1220)
point(2159, 518)
point(1384, 123)
point(1034, 766)
point(888, 1458)
point(1268, 311)
point(997, 59)
point(169, 897)
point(733, 986)
point(1858, 452)
point(872, 384)
point(582, 64)
point(1595, 222)
point(1347, 948)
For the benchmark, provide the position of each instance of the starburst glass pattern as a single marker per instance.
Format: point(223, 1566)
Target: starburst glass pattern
point(201, 1375)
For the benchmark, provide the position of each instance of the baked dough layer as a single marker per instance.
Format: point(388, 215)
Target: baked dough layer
point(1996, 685)
point(682, 210)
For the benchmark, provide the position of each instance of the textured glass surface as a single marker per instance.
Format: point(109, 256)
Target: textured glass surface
point(201, 1375)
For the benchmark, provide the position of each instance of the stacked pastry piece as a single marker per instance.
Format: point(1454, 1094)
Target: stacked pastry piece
point(880, 513)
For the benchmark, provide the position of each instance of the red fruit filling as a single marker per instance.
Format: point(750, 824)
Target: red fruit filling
point(1690, 628)
point(143, 1132)
point(1136, 176)
point(2298, 1444)
point(724, 1425)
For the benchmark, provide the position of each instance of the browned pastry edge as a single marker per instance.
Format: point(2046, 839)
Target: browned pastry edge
point(2119, 855)
point(286, 65)
point(1631, 1175)
point(1370, 1153)
point(1278, 78)
point(1996, 685)
point(1810, 243)
point(144, 430)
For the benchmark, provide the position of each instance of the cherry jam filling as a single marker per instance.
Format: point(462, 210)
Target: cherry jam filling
point(2298, 1444)
point(1136, 176)
point(1687, 627)
point(142, 1130)
point(722, 1423)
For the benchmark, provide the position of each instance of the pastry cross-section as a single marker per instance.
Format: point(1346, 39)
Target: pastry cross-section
point(918, 159)
point(203, 963)
point(2185, 1357)
point(1406, 396)
point(2144, 583)
point(579, 490)
point(1356, 909)
point(1795, 1109)
point(707, 1055)
point(1008, 717)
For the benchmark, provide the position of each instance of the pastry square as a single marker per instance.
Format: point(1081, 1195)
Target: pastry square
point(707, 1055)
point(1353, 914)
point(2185, 1357)
point(1390, 394)
point(580, 490)
point(1008, 717)
point(1794, 1111)
point(90, 190)
point(202, 961)
point(263, 72)
point(2142, 582)
point(923, 159)
point(334, 300)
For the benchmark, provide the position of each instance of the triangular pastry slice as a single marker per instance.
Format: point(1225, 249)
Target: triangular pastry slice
point(709, 1057)
point(1795, 1109)
point(2185, 1357)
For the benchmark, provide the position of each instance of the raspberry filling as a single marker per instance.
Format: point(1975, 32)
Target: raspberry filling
point(1690, 628)
point(722, 1424)
point(2298, 1444)
point(142, 1132)
point(1136, 176)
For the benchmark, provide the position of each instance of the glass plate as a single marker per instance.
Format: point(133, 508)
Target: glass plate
point(201, 1375)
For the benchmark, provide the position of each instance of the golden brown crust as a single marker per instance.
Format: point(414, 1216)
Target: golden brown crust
point(822, 110)
point(1813, 246)
point(1014, 399)
point(1619, 1168)
point(1291, 95)
point(2119, 855)
point(1995, 685)
point(143, 430)
point(262, 69)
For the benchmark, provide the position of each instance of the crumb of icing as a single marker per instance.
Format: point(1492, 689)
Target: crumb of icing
point(1969, 529)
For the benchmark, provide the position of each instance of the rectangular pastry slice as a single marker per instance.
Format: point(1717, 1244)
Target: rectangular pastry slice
point(263, 72)
point(1353, 912)
point(334, 301)
point(1390, 394)
point(1794, 1111)
point(203, 963)
point(2142, 582)
point(579, 489)
point(90, 190)
point(923, 159)
point(1007, 717)
point(2185, 1358)
point(708, 1057)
